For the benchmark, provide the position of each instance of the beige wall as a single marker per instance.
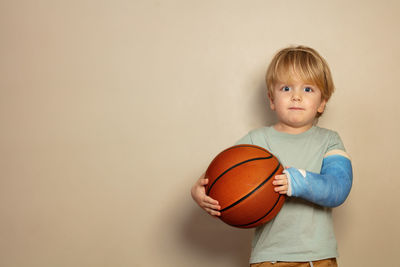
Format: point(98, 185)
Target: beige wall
point(109, 111)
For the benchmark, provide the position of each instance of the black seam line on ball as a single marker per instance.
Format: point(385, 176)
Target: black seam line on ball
point(255, 189)
point(262, 217)
point(234, 166)
point(248, 145)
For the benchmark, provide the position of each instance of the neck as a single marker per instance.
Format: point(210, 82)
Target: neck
point(291, 130)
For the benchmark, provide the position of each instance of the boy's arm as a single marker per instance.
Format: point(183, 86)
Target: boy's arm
point(330, 188)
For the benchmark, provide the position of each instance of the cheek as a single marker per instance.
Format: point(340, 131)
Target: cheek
point(313, 102)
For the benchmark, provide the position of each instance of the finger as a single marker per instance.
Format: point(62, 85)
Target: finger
point(211, 206)
point(210, 200)
point(280, 177)
point(280, 182)
point(203, 181)
point(213, 212)
point(206, 205)
point(283, 192)
point(280, 189)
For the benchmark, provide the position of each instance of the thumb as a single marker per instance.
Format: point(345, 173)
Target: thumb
point(204, 181)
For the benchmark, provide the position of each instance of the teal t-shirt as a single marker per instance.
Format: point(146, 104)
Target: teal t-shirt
point(301, 231)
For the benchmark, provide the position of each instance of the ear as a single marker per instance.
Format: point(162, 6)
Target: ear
point(271, 101)
point(321, 107)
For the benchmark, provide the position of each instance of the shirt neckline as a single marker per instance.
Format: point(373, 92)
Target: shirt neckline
point(294, 136)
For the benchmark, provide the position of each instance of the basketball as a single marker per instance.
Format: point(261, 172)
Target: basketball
point(240, 178)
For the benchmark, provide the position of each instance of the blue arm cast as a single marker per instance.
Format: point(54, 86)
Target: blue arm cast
point(328, 189)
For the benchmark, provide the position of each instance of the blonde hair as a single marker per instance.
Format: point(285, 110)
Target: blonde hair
point(300, 62)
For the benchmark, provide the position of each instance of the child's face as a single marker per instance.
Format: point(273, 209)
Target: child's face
point(296, 104)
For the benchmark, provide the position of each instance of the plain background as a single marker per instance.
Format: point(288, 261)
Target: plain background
point(110, 110)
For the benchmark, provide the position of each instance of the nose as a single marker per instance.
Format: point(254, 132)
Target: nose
point(296, 96)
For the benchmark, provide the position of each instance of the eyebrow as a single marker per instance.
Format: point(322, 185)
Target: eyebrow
point(290, 84)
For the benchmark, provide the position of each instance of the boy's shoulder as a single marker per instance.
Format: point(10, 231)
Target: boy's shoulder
point(255, 136)
point(325, 130)
point(260, 132)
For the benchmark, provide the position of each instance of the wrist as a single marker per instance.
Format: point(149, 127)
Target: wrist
point(292, 174)
point(289, 182)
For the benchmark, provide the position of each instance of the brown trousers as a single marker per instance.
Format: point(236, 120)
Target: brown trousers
point(322, 263)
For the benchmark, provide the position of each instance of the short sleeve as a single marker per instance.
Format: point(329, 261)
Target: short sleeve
point(245, 140)
point(335, 142)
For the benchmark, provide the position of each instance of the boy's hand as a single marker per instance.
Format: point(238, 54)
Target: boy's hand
point(281, 182)
point(205, 202)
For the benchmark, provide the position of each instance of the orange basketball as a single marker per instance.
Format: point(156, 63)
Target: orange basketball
point(240, 178)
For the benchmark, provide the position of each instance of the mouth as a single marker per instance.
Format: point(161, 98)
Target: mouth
point(296, 108)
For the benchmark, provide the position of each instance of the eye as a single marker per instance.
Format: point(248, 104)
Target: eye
point(285, 88)
point(308, 89)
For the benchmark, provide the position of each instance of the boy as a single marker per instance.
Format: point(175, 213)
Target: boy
point(299, 85)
